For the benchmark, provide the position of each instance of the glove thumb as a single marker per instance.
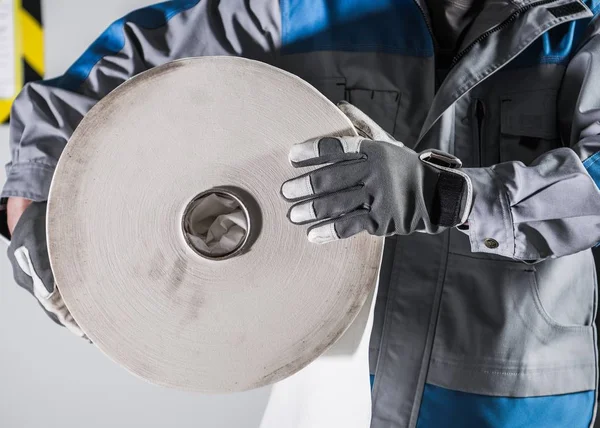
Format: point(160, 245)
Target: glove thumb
point(364, 125)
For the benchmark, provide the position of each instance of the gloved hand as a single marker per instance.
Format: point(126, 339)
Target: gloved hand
point(374, 183)
point(28, 253)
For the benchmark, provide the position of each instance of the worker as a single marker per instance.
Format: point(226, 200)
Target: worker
point(478, 159)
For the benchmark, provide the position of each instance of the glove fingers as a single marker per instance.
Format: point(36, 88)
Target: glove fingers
point(341, 228)
point(324, 150)
point(73, 327)
point(329, 206)
point(52, 302)
point(328, 179)
point(30, 234)
point(56, 305)
point(23, 259)
point(28, 253)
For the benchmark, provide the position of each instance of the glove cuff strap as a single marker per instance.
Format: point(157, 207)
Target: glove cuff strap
point(447, 201)
point(453, 193)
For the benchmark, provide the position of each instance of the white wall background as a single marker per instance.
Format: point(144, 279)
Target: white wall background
point(49, 378)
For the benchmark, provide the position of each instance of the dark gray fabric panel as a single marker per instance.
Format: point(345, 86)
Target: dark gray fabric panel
point(408, 325)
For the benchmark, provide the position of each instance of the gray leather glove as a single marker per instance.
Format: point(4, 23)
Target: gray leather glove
point(28, 253)
point(381, 186)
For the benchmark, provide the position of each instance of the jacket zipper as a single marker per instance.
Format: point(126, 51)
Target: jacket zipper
point(497, 28)
point(479, 117)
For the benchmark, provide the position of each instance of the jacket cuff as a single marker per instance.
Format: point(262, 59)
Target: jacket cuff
point(491, 228)
point(30, 180)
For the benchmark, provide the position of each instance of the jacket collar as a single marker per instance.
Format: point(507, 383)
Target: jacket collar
point(482, 57)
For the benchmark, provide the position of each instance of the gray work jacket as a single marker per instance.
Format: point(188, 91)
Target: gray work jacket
point(489, 326)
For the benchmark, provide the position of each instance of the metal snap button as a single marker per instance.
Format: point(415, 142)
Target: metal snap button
point(491, 243)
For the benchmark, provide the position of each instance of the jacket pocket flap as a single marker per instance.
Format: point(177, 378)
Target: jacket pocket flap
point(530, 114)
point(334, 88)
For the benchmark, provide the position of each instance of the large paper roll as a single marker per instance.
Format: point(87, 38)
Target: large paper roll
point(121, 252)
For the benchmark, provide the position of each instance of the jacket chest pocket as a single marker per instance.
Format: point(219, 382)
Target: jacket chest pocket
point(334, 88)
point(380, 105)
point(528, 125)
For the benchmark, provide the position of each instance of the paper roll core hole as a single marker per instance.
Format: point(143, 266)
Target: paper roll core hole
point(216, 224)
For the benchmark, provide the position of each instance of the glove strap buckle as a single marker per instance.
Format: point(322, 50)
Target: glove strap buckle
point(438, 158)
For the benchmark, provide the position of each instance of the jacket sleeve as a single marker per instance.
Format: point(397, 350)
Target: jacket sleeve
point(550, 208)
point(45, 114)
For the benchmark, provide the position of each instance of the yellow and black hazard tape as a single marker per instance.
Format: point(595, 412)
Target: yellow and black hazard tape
point(29, 48)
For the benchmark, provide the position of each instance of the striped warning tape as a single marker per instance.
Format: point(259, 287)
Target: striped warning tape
point(29, 48)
